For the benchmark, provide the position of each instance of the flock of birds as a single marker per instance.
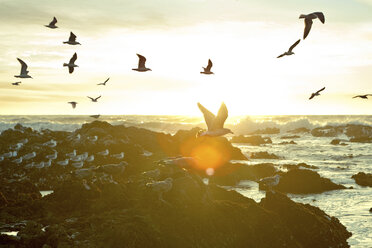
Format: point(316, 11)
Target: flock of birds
point(215, 124)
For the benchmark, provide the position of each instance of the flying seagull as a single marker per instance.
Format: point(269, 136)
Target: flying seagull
point(95, 116)
point(207, 70)
point(141, 64)
point(52, 24)
point(17, 83)
point(73, 104)
point(72, 40)
point(215, 123)
point(24, 72)
point(363, 96)
point(308, 19)
point(94, 99)
point(104, 83)
point(316, 93)
point(71, 63)
point(289, 52)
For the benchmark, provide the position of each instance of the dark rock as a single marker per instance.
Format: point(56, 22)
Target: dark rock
point(290, 137)
point(337, 142)
point(267, 130)
point(263, 155)
point(327, 131)
point(300, 181)
point(297, 166)
point(255, 140)
point(363, 179)
point(310, 226)
point(288, 143)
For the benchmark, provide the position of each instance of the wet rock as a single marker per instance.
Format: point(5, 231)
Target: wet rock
point(298, 166)
point(363, 179)
point(288, 143)
point(310, 226)
point(263, 155)
point(255, 140)
point(338, 142)
point(267, 130)
point(301, 181)
point(290, 137)
point(327, 131)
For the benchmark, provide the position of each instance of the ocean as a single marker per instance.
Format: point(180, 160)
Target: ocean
point(338, 163)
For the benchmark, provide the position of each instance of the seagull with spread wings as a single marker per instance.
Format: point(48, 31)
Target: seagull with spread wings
point(95, 116)
point(308, 19)
point(215, 123)
point(17, 83)
point(289, 52)
point(207, 70)
point(71, 63)
point(316, 93)
point(72, 40)
point(363, 96)
point(52, 24)
point(141, 64)
point(94, 99)
point(104, 83)
point(24, 72)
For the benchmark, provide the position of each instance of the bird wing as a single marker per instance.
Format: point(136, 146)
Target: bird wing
point(221, 117)
point(320, 90)
point(209, 66)
point(308, 24)
point(281, 55)
point(53, 22)
point(106, 81)
point(320, 15)
point(294, 45)
point(72, 37)
point(97, 98)
point(23, 66)
point(70, 69)
point(141, 61)
point(208, 116)
point(73, 59)
point(91, 98)
point(312, 96)
point(357, 96)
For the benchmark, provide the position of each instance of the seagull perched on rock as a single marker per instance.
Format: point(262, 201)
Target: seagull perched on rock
point(118, 156)
point(308, 19)
point(289, 52)
point(24, 72)
point(215, 123)
point(63, 162)
point(73, 104)
point(161, 187)
point(207, 70)
point(104, 153)
point(52, 24)
point(29, 156)
point(17, 83)
point(78, 165)
point(50, 143)
point(113, 169)
point(363, 96)
point(71, 64)
point(141, 64)
point(316, 93)
point(72, 40)
point(104, 83)
point(94, 99)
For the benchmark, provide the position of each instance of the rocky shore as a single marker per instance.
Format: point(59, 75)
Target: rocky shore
point(131, 187)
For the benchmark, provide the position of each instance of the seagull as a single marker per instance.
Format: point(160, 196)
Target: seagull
point(92, 139)
point(141, 64)
point(29, 156)
point(52, 156)
point(72, 40)
point(51, 143)
point(363, 96)
point(104, 83)
point(118, 156)
point(48, 164)
point(113, 169)
point(7, 155)
point(71, 63)
point(17, 160)
point(24, 71)
point(78, 165)
point(73, 104)
point(90, 158)
point(52, 24)
point(17, 83)
point(39, 165)
point(152, 173)
point(104, 153)
point(63, 162)
point(30, 165)
point(316, 93)
point(95, 116)
point(207, 70)
point(308, 19)
point(161, 187)
point(76, 158)
point(14, 154)
point(71, 154)
point(270, 182)
point(215, 123)
point(94, 99)
point(289, 52)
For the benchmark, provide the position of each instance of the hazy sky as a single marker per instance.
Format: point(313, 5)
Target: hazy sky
point(178, 37)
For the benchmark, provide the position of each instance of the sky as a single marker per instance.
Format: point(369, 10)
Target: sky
point(242, 38)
